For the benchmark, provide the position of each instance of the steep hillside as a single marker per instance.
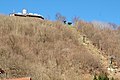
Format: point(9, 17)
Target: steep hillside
point(105, 41)
point(45, 50)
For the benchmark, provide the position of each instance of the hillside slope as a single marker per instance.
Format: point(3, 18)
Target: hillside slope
point(45, 50)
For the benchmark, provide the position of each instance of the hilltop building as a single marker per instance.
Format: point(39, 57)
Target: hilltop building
point(25, 14)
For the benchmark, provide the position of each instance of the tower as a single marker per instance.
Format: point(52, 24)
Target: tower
point(24, 11)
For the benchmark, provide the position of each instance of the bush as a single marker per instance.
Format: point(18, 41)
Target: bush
point(102, 76)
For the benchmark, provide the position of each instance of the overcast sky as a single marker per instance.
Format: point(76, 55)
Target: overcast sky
point(88, 10)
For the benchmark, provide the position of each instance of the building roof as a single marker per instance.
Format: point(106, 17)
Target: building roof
point(25, 14)
point(25, 78)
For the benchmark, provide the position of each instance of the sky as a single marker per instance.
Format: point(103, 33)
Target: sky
point(88, 10)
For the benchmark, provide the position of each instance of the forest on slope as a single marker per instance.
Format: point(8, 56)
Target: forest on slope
point(45, 50)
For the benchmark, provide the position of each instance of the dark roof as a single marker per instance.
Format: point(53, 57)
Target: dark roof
point(69, 23)
point(28, 15)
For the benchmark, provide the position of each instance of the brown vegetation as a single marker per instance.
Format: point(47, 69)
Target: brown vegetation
point(47, 50)
point(105, 39)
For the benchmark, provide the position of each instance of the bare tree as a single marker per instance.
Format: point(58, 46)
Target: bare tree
point(60, 17)
point(75, 19)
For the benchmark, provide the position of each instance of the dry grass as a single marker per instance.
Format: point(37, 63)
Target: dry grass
point(105, 39)
point(43, 50)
